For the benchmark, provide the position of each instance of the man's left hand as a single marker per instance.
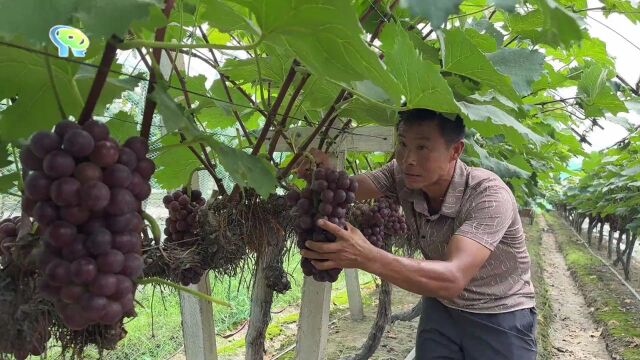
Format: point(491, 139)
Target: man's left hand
point(350, 250)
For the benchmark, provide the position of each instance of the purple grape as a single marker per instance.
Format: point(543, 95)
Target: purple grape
point(78, 143)
point(65, 191)
point(36, 186)
point(58, 164)
point(44, 142)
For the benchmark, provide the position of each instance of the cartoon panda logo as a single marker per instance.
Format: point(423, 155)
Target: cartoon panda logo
point(69, 38)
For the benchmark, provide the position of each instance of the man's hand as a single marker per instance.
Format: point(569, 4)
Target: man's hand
point(350, 250)
point(303, 169)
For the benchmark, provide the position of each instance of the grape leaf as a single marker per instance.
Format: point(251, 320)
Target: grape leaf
point(499, 167)
point(560, 27)
point(462, 57)
point(523, 66)
point(174, 164)
point(32, 19)
point(421, 82)
point(596, 95)
point(102, 18)
point(25, 75)
point(436, 11)
point(122, 126)
point(245, 169)
point(8, 182)
point(222, 16)
point(326, 37)
point(506, 5)
point(492, 116)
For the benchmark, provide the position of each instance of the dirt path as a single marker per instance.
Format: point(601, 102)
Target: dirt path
point(573, 333)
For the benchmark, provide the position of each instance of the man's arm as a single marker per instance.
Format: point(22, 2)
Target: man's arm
point(444, 279)
point(366, 188)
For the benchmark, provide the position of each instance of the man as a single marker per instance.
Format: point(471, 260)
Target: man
point(478, 299)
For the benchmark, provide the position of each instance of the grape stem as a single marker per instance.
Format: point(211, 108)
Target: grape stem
point(155, 228)
point(108, 56)
point(18, 170)
point(54, 88)
point(328, 115)
point(198, 294)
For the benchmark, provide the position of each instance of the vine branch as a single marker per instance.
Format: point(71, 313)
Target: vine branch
point(108, 56)
point(150, 105)
point(276, 106)
point(303, 148)
point(285, 116)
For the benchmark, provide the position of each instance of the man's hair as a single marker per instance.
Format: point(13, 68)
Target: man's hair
point(451, 127)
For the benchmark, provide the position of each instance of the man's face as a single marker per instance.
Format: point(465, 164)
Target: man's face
point(423, 154)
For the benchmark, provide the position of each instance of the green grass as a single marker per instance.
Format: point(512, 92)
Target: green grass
point(543, 304)
point(621, 327)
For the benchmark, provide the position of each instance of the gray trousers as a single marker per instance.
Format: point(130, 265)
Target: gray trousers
point(446, 333)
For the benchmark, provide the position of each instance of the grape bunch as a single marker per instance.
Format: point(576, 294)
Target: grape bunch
point(85, 191)
point(181, 228)
point(8, 236)
point(327, 196)
point(380, 219)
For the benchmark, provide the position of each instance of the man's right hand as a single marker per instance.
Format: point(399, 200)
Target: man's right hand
point(304, 167)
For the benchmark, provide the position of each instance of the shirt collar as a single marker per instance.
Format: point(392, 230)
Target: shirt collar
point(452, 199)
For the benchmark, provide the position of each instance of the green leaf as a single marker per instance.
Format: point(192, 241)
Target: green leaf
point(326, 37)
point(174, 116)
point(485, 26)
point(175, 164)
point(622, 7)
point(462, 57)
point(523, 66)
point(242, 104)
point(499, 167)
point(506, 5)
point(245, 169)
point(8, 182)
point(436, 11)
point(122, 126)
point(484, 42)
point(25, 75)
point(215, 118)
point(106, 17)
point(423, 86)
point(4, 155)
point(32, 19)
point(366, 112)
point(225, 18)
point(478, 114)
point(560, 27)
point(597, 95)
point(428, 52)
point(113, 88)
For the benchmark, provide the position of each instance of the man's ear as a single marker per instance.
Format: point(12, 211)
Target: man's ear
point(457, 150)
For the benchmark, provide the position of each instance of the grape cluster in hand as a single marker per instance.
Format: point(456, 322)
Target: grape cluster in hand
point(380, 219)
point(181, 226)
point(327, 196)
point(85, 191)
